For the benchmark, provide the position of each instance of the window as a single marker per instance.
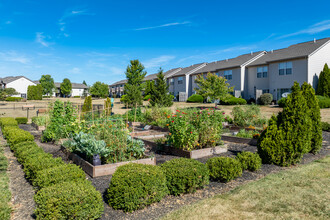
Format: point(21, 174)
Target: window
point(280, 92)
point(180, 80)
point(285, 68)
point(172, 81)
point(265, 91)
point(228, 74)
point(262, 72)
point(23, 95)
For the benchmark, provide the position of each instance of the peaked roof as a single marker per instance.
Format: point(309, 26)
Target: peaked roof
point(188, 69)
point(10, 79)
point(300, 50)
point(74, 85)
point(228, 63)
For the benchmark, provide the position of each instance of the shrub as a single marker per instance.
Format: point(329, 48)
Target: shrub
point(13, 99)
point(282, 102)
point(224, 169)
point(39, 162)
point(266, 99)
point(233, 101)
point(185, 175)
point(156, 116)
point(134, 186)
point(325, 126)
point(26, 150)
point(34, 92)
point(195, 98)
point(16, 135)
point(7, 121)
point(40, 120)
point(249, 115)
point(21, 120)
point(124, 99)
point(58, 174)
point(69, 200)
point(324, 102)
point(249, 161)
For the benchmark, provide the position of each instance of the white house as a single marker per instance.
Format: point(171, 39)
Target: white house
point(19, 83)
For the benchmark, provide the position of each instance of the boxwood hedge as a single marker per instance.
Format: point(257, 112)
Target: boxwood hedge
point(69, 200)
point(21, 120)
point(134, 186)
point(249, 161)
point(185, 175)
point(224, 169)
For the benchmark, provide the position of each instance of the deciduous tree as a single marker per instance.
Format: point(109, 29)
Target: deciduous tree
point(47, 83)
point(66, 87)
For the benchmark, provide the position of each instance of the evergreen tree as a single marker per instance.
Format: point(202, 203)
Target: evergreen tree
point(150, 85)
point(159, 94)
point(85, 93)
point(323, 87)
point(47, 83)
point(107, 106)
point(133, 88)
point(88, 106)
point(296, 125)
point(66, 87)
point(315, 116)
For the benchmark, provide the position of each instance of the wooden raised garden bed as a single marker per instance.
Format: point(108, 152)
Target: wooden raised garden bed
point(195, 154)
point(102, 170)
point(37, 127)
point(239, 140)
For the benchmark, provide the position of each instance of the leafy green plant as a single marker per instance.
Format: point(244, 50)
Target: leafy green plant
point(224, 169)
point(185, 175)
point(247, 134)
point(69, 200)
point(134, 186)
point(41, 120)
point(324, 102)
point(59, 174)
point(325, 126)
point(21, 120)
point(195, 98)
point(249, 161)
point(248, 115)
point(156, 116)
point(135, 114)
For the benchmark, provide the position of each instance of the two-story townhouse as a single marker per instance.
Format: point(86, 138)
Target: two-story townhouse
point(276, 71)
point(231, 69)
point(117, 88)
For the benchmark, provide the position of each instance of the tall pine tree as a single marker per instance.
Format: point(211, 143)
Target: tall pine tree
point(133, 88)
point(159, 94)
point(323, 87)
point(315, 116)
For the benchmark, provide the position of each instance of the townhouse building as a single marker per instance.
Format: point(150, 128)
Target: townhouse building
point(255, 73)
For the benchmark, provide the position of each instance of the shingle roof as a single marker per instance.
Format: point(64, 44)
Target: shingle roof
point(74, 85)
point(119, 82)
point(228, 63)
point(188, 69)
point(294, 51)
point(10, 79)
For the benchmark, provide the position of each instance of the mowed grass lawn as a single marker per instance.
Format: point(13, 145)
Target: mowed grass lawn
point(5, 194)
point(298, 193)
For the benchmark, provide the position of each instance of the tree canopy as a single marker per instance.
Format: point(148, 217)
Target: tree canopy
point(323, 87)
point(66, 87)
point(100, 90)
point(133, 88)
point(6, 92)
point(47, 83)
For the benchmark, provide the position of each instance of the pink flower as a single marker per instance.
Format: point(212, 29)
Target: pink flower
point(180, 116)
point(223, 113)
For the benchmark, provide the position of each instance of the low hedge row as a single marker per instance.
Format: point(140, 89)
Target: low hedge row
point(6, 121)
point(195, 98)
point(64, 192)
point(233, 101)
point(13, 99)
point(325, 126)
point(21, 120)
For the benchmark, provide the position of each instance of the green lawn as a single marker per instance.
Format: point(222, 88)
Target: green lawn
point(298, 193)
point(5, 194)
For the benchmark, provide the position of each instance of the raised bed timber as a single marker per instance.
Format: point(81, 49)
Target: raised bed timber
point(195, 154)
point(102, 170)
point(37, 127)
point(239, 140)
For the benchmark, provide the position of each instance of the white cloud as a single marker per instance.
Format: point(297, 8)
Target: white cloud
point(163, 25)
point(313, 29)
point(40, 38)
point(12, 56)
point(158, 61)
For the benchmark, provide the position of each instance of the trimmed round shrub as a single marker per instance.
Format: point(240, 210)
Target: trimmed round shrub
point(185, 175)
point(266, 99)
point(58, 174)
point(69, 200)
point(224, 169)
point(282, 102)
point(249, 161)
point(195, 98)
point(233, 101)
point(134, 186)
point(324, 102)
point(21, 120)
point(325, 126)
point(39, 162)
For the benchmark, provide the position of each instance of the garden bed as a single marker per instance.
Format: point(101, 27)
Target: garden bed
point(37, 127)
point(195, 154)
point(239, 140)
point(102, 170)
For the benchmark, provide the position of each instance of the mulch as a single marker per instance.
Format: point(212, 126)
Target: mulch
point(171, 203)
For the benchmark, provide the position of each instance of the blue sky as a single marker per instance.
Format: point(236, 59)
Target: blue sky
point(94, 40)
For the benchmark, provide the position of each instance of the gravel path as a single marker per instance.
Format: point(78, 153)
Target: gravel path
point(171, 203)
point(21, 190)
